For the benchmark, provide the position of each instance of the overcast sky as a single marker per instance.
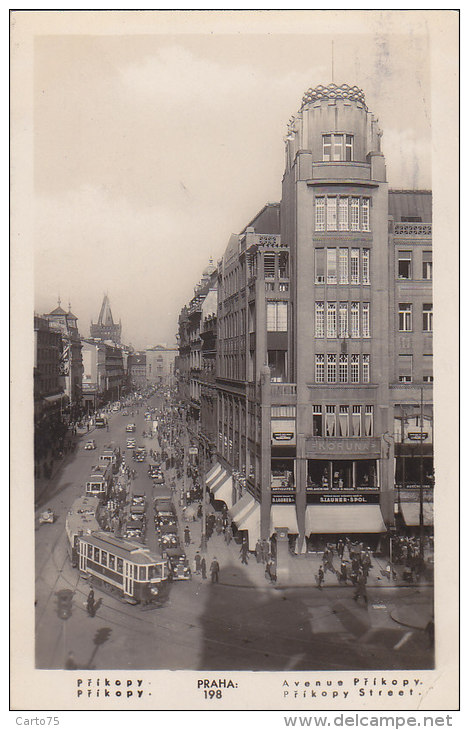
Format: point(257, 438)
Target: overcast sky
point(150, 150)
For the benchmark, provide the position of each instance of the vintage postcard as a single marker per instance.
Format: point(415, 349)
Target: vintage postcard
point(234, 413)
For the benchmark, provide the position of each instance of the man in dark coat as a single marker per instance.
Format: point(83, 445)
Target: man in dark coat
point(203, 568)
point(244, 553)
point(214, 570)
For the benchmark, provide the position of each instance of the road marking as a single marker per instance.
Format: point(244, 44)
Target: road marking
point(404, 639)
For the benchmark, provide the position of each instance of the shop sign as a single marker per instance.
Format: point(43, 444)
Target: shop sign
point(417, 436)
point(283, 436)
point(283, 430)
point(283, 499)
point(357, 498)
point(336, 447)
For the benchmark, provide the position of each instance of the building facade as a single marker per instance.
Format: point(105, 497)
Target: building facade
point(324, 350)
point(137, 370)
point(160, 364)
point(71, 364)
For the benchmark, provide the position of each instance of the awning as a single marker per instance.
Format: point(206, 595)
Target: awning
point(55, 398)
point(344, 519)
point(252, 523)
point(241, 507)
point(411, 513)
point(221, 476)
point(283, 515)
point(224, 490)
point(212, 474)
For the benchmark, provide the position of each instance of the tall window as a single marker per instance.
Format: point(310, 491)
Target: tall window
point(331, 368)
point(365, 319)
point(355, 214)
point(427, 264)
point(354, 369)
point(277, 316)
point(368, 420)
point(366, 368)
point(331, 319)
point(343, 421)
point(317, 420)
point(320, 214)
point(404, 265)
point(330, 420)
point(405, 317)
point(354, 266)
point(332, 266)
point(356, 420)
point(319, 265)
point(427, 368)
point(404, 368)
point(354, 320)
point(332, 214)
point(319, 368)
point(343, 265)
point(427, 317)
point(269, 265)
point(343, 320)
point(343, 368)
point(365, 214)
point(343, 214)
point(337, 147)
point(319, 319)
point(365, 266)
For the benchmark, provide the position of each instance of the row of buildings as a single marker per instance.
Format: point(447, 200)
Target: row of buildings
point(74, 375)
point(305, 356)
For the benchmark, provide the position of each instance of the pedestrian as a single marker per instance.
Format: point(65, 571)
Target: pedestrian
point(342, 576)
point(203, 568)
point(340, 549)
point(360, 590)
point(228, 535)
point(258, 551)
point(187, 535)
point(90, 603)
point(214, 570)
point(320, 577)
point(244, 553)
point(270, 572)
point(197, 562)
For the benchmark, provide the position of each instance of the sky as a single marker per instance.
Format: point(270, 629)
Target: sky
point(151, 149)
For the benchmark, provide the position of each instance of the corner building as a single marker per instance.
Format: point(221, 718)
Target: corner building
point(313, 372)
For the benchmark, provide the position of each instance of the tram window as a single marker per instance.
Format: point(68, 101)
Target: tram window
point(103, 557)
point(112, 562)
point(154, 571)
point(120, 565)
point(143, 573)
point(90, 551)
point(96, 555)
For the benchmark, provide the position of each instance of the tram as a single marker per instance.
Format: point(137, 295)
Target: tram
point(82, 518)
point(110, 455)
point(125, 568)
point(100, 481)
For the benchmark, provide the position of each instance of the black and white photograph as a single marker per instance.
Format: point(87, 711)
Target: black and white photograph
point(224, 286)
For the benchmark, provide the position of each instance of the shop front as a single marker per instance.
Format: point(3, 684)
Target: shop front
point(343, 491)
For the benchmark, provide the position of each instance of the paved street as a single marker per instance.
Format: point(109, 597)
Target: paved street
point(241, 623)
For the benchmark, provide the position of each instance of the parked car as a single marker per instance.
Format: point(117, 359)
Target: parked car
point(179, 564)
point(130, 428)
point(90, 445)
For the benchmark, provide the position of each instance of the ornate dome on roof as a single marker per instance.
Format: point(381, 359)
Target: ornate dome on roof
point(208, 271)
point(334, 91)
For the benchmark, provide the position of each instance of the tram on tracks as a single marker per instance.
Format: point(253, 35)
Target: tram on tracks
point(99, 482)
point(122, 567)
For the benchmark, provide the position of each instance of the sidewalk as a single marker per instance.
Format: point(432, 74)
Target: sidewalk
point(302, 569)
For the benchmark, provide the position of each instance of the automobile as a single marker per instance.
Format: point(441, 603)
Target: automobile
point(165, 518)
point(131, 443)
point(125, 412)
point(134, 529)
point(130, 428)
point(179, 564)
point(138, 498)
point(158, 478)
point(168, 537)
point(90, 445)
